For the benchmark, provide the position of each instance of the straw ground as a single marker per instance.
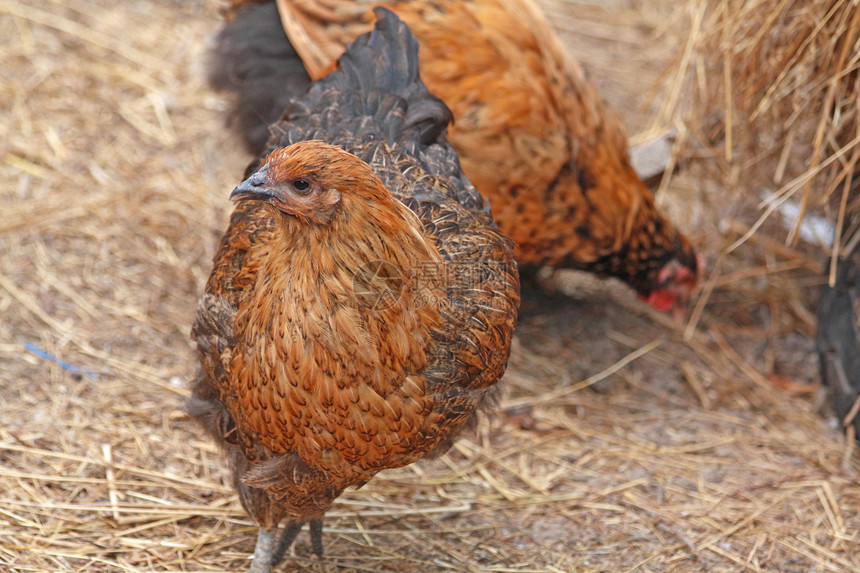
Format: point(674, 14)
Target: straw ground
point(624, 442)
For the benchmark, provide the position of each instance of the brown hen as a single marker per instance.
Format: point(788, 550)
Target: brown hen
point(362, 301)
point(532, 132)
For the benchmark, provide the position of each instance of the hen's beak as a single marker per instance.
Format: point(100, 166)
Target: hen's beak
point(254, 187)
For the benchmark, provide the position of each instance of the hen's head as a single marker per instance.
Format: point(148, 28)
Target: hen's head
point(309, 181)
point(671, 286)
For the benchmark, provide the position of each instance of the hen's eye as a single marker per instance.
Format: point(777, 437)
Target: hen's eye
point(301, 185)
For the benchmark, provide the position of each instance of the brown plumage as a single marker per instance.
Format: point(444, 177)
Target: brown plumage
point(531, 130)
point(361, 303)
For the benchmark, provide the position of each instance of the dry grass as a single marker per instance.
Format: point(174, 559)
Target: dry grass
point(697, 453)
point(773, 87)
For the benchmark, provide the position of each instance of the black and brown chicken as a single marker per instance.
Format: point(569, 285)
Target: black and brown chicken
point(362, 301)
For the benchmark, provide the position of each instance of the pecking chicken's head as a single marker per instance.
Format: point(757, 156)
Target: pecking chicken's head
point(671, 286)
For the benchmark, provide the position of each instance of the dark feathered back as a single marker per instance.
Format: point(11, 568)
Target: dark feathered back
point(377, 94)
point(383, 65)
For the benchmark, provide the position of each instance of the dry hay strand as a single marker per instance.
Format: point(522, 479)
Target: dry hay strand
point(774, 84)
point(618, 446)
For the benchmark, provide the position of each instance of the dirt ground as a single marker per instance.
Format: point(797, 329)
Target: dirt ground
point(624, 441)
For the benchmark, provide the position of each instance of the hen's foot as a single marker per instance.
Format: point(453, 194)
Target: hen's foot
point(291, 530)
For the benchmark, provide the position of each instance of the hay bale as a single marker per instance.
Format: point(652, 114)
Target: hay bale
point(774, 84)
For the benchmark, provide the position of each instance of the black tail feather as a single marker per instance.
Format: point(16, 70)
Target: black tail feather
point(253, 58)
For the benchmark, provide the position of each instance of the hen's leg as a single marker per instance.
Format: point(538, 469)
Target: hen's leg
point(262, 562)
point(287, 537)
point(291, 530)
point(315, 526)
